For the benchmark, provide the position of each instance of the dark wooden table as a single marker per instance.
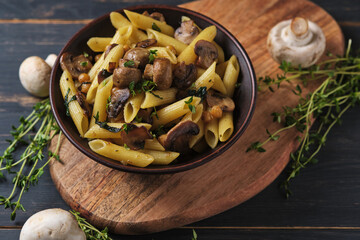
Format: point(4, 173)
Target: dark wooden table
point(326, 200)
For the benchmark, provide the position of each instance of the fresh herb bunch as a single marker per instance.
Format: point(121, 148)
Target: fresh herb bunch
point(90, 231)
point(32, 156)
point(339, 91)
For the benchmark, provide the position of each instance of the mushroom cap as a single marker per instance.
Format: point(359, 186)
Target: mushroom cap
point(50, 59)
point(289, 41)
point(138, 54)
point(207, 53)
point(34, 74)
point(123, 76)
point(74, 65)
point(52, 224)
point(186, 32)
point(184, 75)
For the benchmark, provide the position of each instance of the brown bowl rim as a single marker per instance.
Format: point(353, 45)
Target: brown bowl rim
point(168, 168)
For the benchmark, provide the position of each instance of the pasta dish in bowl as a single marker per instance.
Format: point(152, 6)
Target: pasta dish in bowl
point(153, 89)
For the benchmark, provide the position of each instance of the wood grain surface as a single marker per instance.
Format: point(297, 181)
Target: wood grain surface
point(134, 204)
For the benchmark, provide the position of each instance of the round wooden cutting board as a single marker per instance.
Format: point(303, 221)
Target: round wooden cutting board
point(135, 204)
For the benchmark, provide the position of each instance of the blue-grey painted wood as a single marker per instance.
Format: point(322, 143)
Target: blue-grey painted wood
point(326, 194)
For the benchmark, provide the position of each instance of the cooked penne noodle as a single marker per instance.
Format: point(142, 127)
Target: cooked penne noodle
point(67, 87)
point(153, 144)
point(220, 69)
point(94, 70)
point(163, 52)
point(188, 55)
point(120, 153)
point(219, 84)
point(132, 107)
point(199, 72)
point(98, 44)
point(118, 20)
point(145, 22)
point(231, 75)
point(114, 55)
point(165, 40)
point(226, 126)
point(221, 55)
point(102, 95)
point(174, 111)
point(97, 132)
point(195, 139)
point(212, 133)
point(161, 157)
point(207, 79)
point(165, 97)
point(195, 117)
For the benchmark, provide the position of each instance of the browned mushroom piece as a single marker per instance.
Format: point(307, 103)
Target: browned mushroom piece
point(118, 99)
point(186, 32)
point(162, 73)
point(134, 136)
point(184, 75)
point(177, 138)
point(207, 53)
point(145, 115)
point(128, 63)
point(123, 76)
point(146, 43)
point(102, 75)
point(75, 65)
point(216, 99)
point(81, 99)
point(155, 15)
point(149, 72)
point(139, 55)
point(109, 48)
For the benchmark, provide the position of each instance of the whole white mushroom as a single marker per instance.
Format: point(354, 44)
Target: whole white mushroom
point(50, 59)
point(34, 74)
point(298, 41)
point(52, 224)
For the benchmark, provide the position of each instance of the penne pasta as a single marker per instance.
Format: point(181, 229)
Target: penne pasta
point(120, 153)
point(195, 139)
point(163, 52)
point(102, 95)
point(195, 117)
point(174, 111)
point(68, 91)
point(161, 157)
point(226, 126)
point(118, 20)
point(114, 55)
point(231, 75)
point(132, 107)
point(153, 144)
point(97, 132)
point(98, 44)
point(165, 40)
point(145, 22)
point(212, 133)
point(188, 55)
point(219, 84)
point(207, 79)
point(164, 97)
point(220, 69)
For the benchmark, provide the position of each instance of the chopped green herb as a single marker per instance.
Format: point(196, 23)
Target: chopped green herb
point(105, 125)
point(84, 64)
point(201, 93)
point(67, 101)
point(108, 101)
point(132, 88)
point(152, 55)
point(155, 95)
point(126, 146)
point(86, 54)
point(155, 27)
point(154, 113)
point(138, 119)
point(191, 107)
point(129, 63)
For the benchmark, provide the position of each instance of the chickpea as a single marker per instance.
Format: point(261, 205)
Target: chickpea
point(84, 77)
point(171, 48)
point(97, 57)
point(216, 112)
point(85, 87)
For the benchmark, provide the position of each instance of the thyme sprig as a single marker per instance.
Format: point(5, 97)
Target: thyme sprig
point(327, 103)
point(33, 155)
point(90, 231)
